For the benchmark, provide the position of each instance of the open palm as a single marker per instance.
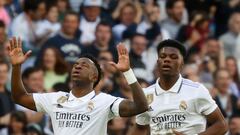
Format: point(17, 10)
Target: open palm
point(16, 53)
point(123, 58)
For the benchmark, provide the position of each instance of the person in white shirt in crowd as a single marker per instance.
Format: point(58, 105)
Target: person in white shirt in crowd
point(229, 38)
point(127, 15)
point(81, 111)
point(175, 10)
point(48, 27)
point(177, 105)
point(89, 20)
point(142, 69)
point(225, 99)
point(151, 21)
point(25, 26)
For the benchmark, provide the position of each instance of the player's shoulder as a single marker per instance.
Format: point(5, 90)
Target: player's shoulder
point(193, 86)
point(105, 96)
point(59, 93)
point(105, 99)
point(190, 83)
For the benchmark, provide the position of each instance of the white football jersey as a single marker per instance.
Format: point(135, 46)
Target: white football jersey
point(87, 115)
point(182, 108)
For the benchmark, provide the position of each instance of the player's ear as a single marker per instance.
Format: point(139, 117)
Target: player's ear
point(182, 63)
point(93, 76)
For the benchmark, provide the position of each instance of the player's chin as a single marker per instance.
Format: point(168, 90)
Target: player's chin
point(166, 72)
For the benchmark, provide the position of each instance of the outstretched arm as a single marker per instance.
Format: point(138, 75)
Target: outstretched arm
point(139, 104)
point(19, 93)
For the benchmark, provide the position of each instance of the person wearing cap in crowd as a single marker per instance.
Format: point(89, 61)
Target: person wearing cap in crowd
point(177, 105)
point(82, 111)
point(89, 20)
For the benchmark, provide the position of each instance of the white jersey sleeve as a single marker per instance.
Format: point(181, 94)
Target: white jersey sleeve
point(205, 103)
point(43, 101)
point(143, 119)
point(114, 107)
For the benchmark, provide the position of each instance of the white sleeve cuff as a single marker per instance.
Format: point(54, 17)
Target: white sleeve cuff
point(115, 106)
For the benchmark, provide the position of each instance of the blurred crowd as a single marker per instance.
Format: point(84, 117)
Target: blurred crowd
point(59, 31)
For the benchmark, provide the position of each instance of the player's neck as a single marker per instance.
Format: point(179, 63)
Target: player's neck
point(81, 90)
point(166, 82)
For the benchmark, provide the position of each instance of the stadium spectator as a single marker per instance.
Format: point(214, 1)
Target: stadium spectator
point(63, 8)
point(25, 24)
point(13, 7)
point(33, 129)
point(232, 67)
point(212, 58)
point(18, 123)
point(54, 67)
point(6, 103)
point(75, 4)
point(127, 17)
point(49, 26)
point(172, 24)
point(190, 71)
point(3, 34)
point(103, 41)
point(234, 125)
point(138, 46)
point(150, 26)
point(229, 38)
point(226, 101)
point(118, 126)
point(196, 32)
point(4, 14)
point(89, 20)
point(65, 40)
point(3, 39)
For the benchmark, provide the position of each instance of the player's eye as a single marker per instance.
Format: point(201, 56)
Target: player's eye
point(174, 56)
point(163, 56)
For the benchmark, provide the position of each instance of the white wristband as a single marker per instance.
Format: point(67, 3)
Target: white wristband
point(130, 77)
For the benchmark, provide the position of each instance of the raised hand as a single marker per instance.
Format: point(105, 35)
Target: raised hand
point(123, 58)
point(16, 53)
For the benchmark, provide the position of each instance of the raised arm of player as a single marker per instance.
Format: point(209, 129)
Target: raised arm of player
point(139, 104)
point(19, 93)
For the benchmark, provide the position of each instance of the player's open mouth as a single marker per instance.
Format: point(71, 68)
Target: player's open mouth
point(166, 67)
point(76, 72)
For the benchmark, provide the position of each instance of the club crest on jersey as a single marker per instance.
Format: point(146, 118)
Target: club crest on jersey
point(62, 99)
point(183, 105)
point(90, 106)
point(149, 98)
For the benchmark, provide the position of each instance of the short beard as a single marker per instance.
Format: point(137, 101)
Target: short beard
point(77, 83)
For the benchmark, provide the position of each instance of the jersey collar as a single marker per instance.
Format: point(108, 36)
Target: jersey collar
point(174, 89)
point(87, 97)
